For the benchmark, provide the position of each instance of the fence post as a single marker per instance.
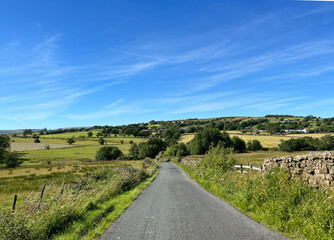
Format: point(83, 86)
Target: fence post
point(241, 168)
point(14, 203)
point(251, 167)
point(62, 189)
point(261, 168)
point(41, 197)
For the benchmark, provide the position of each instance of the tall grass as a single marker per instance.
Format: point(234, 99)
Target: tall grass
point(66, 204)
point(277, 199)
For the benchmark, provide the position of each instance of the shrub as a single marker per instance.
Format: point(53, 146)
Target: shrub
point(14, 226)
point(37, 140)
point(254, 145)
point(101, 141)
point(239, 145)
point(108, 153)
point(70, 141)
point(217, 160)
point(179, 150)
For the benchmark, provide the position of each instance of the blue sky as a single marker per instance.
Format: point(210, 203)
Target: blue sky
point(83, 63)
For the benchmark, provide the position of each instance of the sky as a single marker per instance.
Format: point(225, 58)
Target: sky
point(71, 63)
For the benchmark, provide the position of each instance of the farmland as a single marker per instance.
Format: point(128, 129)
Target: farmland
point(57, 167)
point(60, 162)
point(267, 141)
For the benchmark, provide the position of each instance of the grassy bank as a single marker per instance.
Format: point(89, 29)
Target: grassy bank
point(276, 199)
point(81, 206)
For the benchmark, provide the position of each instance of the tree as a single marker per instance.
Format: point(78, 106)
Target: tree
point(208, 137)
point(101, 141)
point(254, 145)
point(35, 135)
point(134, 152)
point(239, 145)
point(147, 149)
point(108, 153)
point(27, 132)
point(182, 150)
point(70, 141)
point(89, 134)
point(9, 159)
point(4, 141)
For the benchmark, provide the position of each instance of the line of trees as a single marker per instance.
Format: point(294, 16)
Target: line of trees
point(307, 143)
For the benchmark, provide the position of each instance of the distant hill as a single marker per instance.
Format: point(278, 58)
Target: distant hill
point(17, 131)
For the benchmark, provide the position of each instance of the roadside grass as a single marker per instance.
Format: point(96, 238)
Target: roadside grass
point(24, 181)
point(77, 206)
point(117, 204)
point(281, 202)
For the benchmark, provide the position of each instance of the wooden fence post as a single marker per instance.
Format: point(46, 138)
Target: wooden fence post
point(251, 167)
point(261, 168)
point(14, 203)
point(41, 197)
point(62, 189)
point(241, 168)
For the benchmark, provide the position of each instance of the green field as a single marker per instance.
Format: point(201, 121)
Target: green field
point(44, 166)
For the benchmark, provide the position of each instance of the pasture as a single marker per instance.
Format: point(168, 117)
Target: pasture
point(60, 163)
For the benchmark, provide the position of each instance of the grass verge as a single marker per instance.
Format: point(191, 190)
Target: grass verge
point(106, 213)
point(276, 199)
point(78, 208)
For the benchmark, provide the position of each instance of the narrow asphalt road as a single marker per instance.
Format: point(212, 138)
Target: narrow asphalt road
point(175, 207)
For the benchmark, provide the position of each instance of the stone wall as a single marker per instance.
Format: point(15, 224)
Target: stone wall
point(316, 168)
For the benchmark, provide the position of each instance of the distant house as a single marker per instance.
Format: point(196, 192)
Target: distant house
point(260, 131)
point(293, 120)
point(295, 131)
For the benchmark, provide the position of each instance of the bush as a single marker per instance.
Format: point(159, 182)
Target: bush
point(239, 145)
point(217, 160)
point(12, 159)
point(37, 140)
point(108, 153)
point(70, 141)
point(9, 159)
point(14, 226)
point(254, 145)
point(179, 150)
point(101, 141)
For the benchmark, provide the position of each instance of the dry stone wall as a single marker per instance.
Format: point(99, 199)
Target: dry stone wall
point(316, 168)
